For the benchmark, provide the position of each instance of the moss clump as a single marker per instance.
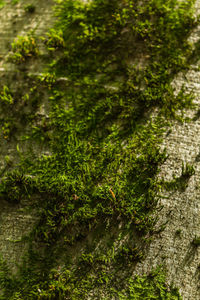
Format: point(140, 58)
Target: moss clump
point(181, 182)
point(23, 48)
point(196, 241)
point(6, 96)
point(30, 8)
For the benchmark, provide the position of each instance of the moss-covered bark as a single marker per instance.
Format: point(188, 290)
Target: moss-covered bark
point(110, 99)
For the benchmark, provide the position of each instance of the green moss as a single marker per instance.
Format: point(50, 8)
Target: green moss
point(30, 8)
point(149, 287)
point(6, 96)
point(181, 182)
point(196, 241)
point(55, 40)
point(14, 2)
point(2, 3)
point(111, 64)
point(23, 48)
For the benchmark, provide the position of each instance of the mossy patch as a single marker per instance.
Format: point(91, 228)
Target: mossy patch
point(109, 78)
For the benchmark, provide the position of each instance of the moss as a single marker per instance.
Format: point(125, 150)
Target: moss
point(23, 48)
point(6, 96)
point(196, 241)
point(111, 65)
point(14, 2)
point(181, 182)
point(30, 8)
point(2, 3)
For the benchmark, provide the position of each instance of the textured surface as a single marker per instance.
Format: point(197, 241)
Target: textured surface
point(16, 220)
point(172, 247)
